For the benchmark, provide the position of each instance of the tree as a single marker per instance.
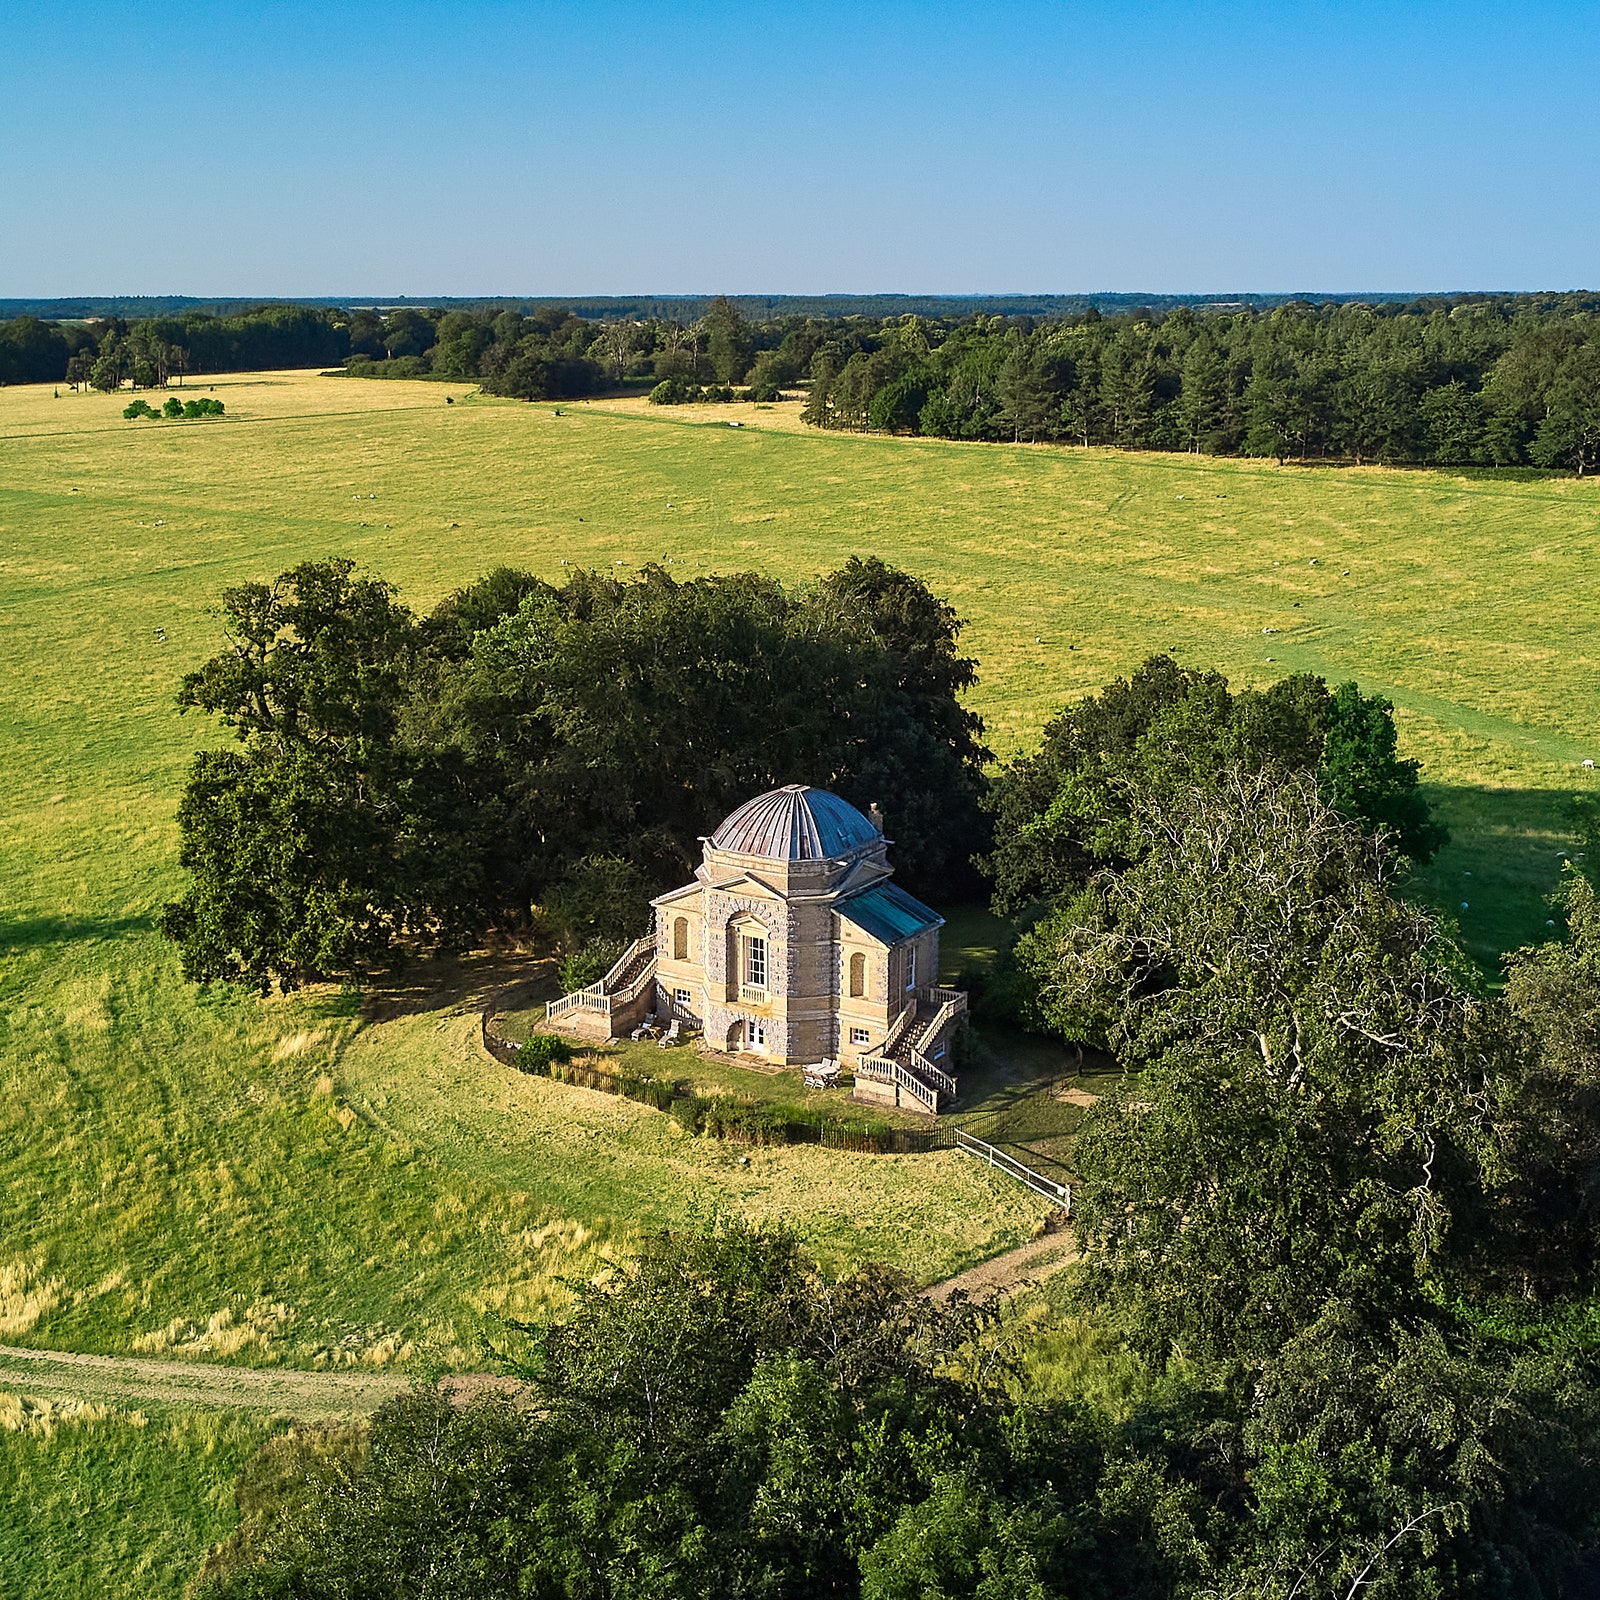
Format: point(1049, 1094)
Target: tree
point(1203, 396)
point(1060, 813)
point(1453, 420)
point(1318, 1106)
point(818, 410)
point(727, 339)
point(1024, 396)
point(1569, 434)
point(1553, 990)
point(1363, 778)
point(719, 1420)
point(325, 844)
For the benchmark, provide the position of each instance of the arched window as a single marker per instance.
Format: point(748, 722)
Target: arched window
point(680, 939)
point(858, 975)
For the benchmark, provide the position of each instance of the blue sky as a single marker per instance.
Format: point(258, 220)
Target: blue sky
point(497, 148)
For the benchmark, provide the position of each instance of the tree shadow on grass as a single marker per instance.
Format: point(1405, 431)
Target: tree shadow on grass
point(453, 984)
point(1504, 861)
point(38, 933)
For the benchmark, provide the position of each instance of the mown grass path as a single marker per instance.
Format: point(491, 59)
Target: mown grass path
point(125, 1379)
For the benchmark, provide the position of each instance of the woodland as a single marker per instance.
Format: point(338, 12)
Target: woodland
point(1488, 380)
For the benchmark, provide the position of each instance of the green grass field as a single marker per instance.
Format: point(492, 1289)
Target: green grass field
point(110, 1502)
point(321, 1182)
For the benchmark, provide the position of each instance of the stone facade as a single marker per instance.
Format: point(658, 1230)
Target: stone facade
point(792, 943)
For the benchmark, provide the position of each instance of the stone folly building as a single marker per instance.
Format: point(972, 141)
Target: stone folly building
point(793, 945)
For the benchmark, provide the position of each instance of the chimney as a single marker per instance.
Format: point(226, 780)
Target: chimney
point(875, 816)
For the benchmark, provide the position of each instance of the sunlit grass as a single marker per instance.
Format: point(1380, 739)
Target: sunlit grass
point(173, 1155)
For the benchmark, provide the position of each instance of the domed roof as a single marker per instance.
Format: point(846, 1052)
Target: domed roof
point(795, 823)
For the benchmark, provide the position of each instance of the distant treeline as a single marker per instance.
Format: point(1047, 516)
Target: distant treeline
point(149, 353)
point(685, 307)
point(1499, 382)
point(1491, 380)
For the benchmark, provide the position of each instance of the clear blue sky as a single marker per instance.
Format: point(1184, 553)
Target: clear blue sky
point(480, 148)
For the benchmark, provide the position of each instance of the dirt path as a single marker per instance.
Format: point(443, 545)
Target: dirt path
point(124, 1379)
point(1021, 1268)
point(121, 1379)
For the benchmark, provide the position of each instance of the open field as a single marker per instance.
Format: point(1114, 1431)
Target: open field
point(314, 1183)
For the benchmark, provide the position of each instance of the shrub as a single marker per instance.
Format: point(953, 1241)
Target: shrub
point(588, 964)
point(537, 1054)
point(669, 392)
point(139, 408)
point(173, 407)
point(202, 407)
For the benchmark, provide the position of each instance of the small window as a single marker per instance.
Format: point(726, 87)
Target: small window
point(681, 997)
point(858, 975)
point(755, 963)
point(680, 939)
point(859, 1036)
point(938, 1055)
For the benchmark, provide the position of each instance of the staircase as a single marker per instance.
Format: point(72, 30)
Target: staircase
point(607, 1004)
point(906, 1059)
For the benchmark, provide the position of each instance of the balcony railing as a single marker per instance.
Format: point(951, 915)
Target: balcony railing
point(753, 993)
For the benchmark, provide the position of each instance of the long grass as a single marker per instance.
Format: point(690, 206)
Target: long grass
point(122, 1504)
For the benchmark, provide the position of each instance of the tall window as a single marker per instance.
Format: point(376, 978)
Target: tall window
point(911, 967)
point(858, 975)
point(680, 939)
point(755, 961)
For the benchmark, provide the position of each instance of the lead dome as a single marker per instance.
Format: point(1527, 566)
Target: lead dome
point(795, 823)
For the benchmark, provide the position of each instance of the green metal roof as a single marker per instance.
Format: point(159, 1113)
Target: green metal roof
point(888, 913)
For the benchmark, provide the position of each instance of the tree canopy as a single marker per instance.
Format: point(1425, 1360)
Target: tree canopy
point(1062, 810)
point(402, 781)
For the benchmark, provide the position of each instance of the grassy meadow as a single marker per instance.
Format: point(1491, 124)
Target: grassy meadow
point(327, 1180)
point(116, 1503)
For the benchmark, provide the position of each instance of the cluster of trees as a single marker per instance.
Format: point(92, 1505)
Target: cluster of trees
point(1062, 813)
point(402, 782)
point(32, 351)
point(1491, 380)
point(173, 408)
point(552, 353)
point(528, 755)
point(1341, 1217)
point(110, 352)
point(1496, 381)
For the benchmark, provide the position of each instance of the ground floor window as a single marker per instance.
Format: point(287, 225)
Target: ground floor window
point(681, 997)
point(755, 1035)
point(859, 1036)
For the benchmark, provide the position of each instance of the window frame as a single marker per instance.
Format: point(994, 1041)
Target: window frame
point(753, 961)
